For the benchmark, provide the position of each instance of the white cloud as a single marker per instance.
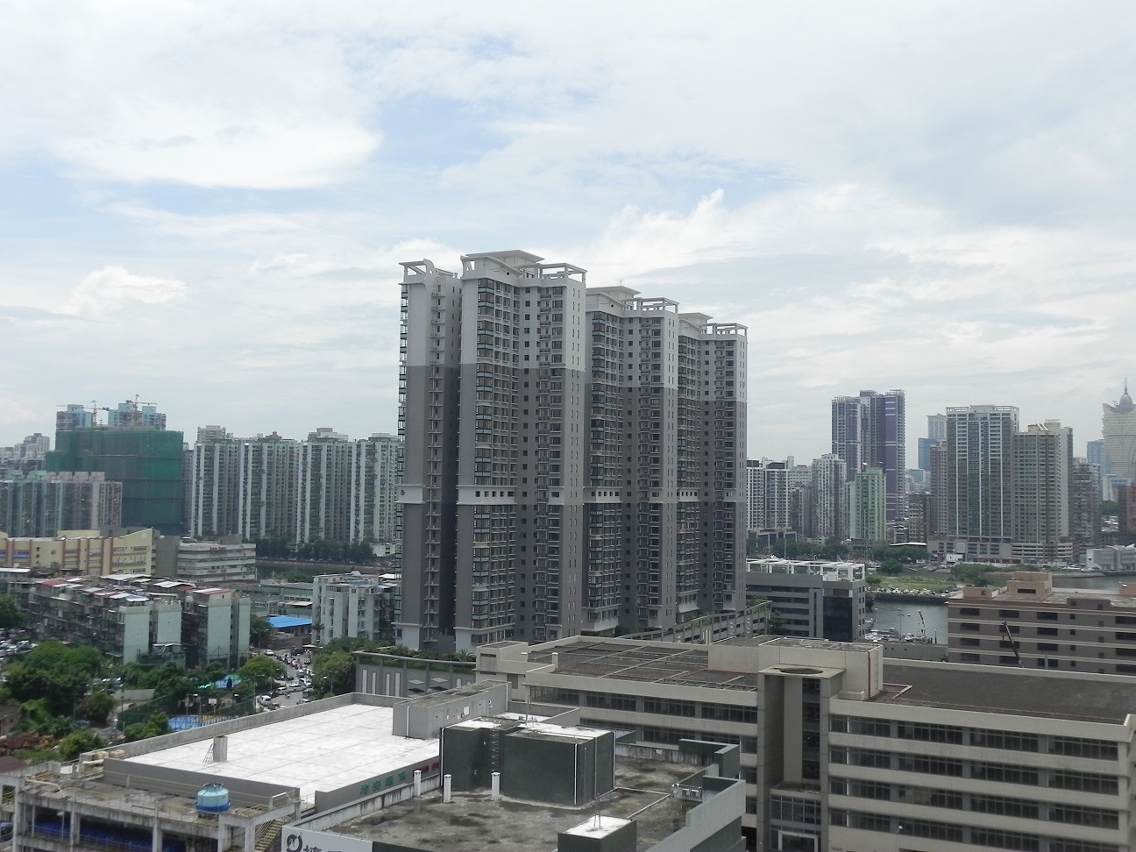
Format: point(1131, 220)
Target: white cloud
point(113, 288)
point(934, 195)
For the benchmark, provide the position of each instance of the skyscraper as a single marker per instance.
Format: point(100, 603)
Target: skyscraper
point(574, 456)
point(325, 488)
point(829, 516)
point(767, 494)
point(936, 433)
point(1042, 491)
point(869, 431)
point(148, 463)
point(865, 500)
point(979, 461)
point(1119, 429)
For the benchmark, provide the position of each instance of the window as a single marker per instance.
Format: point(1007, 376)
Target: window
point(1003, 772)
point(1077, 815)
point(970, 610)
point(1004, 839)
point(934, 798)
point(1003, 806)
point(929, 765)
point(1009, 613)
point(1004, 739)
point(1086, 782)
point(803, 811)
point(1078, 747)
point(869, 790)
point(928, 733)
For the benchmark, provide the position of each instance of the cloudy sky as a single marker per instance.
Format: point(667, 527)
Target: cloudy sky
point(205, 204)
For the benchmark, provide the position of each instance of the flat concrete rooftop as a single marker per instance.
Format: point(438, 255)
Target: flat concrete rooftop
point(992, 689)
point(322, 751)
point(472, 822)
point(651, 662)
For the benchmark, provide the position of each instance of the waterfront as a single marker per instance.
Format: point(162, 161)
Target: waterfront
point(903, 616)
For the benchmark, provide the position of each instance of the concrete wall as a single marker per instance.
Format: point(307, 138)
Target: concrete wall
point(424, 719)
point(244, 723)
point(180, 782)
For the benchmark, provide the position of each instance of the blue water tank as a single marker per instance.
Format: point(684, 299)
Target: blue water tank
point(213, 799)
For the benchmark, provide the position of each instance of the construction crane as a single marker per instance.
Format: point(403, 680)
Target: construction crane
point(136, 410)
point(924, 623)
point(1013, 644)
point(94, 410)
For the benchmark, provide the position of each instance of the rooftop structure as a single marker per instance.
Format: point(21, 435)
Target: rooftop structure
point(332, 774)
point(324, 751)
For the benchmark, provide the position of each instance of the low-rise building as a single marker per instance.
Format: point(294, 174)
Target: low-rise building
point(210, 562)
point(812, 599)
point(133, 616)
point(1113, 558)
point(1030, 623)
point(842, 749)
point(81, 552)
point(361, 606)
point(450, 772)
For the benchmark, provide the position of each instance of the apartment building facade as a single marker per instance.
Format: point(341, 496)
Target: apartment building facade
point(353, 605)
point(598, 444)
point(842, 749)
point(80, 553)
point(1042, 491)
point(133, 616)
point(39, 504)
point(767, 494)
point(811, 599)
point(325, 488)
point(869, 430)
point(1054, 628)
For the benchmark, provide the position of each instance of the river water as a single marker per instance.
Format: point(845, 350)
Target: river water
point(903, 616)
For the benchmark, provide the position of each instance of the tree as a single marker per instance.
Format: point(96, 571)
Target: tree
point(259, 630)
point(1109, 507)
point(78, 742)
point(96, 707)
point(891, 566)
point(10, 615)
point(58, 674)
point(334, 673)
point(36, 715)
point(261, 672)
point(155, 726)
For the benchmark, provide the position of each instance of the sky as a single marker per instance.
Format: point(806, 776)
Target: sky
point(204, 205)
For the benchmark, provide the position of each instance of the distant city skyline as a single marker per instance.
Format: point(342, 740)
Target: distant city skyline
point(757, 444)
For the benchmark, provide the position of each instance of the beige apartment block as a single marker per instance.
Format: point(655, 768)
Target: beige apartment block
point(81, 552)
point(1052, 628)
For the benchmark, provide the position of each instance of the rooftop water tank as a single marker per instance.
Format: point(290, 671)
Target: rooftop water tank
point(213, 799)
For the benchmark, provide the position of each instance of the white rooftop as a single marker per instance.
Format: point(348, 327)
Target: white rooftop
point(322, 751)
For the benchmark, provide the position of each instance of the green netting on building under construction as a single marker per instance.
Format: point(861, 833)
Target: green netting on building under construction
point(148, 463)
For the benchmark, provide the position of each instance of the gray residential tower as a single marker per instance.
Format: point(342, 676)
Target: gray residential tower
point(575, 457)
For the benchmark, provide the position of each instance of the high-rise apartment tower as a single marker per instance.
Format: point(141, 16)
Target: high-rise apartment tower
point(574, 457)
point(869, 431)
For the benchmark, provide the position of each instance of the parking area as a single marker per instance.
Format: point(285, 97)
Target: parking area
point(289, 690)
